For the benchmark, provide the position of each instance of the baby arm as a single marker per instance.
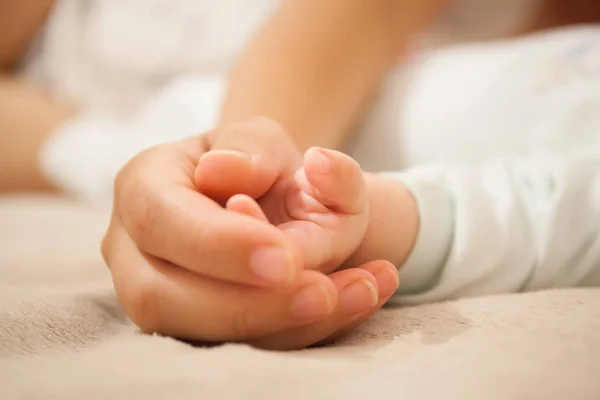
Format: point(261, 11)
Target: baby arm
point(505, 226)
point(393, 222)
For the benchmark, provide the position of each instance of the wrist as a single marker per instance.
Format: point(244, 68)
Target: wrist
point(421, 270)
point(393, 223)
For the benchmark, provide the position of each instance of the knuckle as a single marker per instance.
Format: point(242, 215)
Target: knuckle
point(128, 172)
point(140, 302)
point(140, 204)
point(142, 214)
point(135, 167)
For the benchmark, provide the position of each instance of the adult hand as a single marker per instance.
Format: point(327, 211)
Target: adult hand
point(319, 201)
point(185, 267)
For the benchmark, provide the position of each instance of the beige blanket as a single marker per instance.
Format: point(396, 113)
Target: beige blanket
point(64, 336)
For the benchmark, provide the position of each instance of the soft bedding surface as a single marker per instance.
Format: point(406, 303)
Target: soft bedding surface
point(64, 336)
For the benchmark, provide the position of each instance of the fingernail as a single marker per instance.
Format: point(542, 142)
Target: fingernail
point(358, 297)
point(234, 153)
point(311, 302)
point(322, 161)
point(387, 281)
point(272, 264)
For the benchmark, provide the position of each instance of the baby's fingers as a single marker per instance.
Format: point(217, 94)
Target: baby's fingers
point(333, 179)
point(244, 204)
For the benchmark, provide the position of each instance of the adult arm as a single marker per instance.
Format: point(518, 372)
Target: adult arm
point(19, 23)
point(316, 64)
point(27, 118)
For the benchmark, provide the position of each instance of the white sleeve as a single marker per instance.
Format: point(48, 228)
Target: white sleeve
point(83, 156)
point(506, 226)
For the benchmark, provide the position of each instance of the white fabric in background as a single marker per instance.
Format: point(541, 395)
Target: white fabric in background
point(141, 72)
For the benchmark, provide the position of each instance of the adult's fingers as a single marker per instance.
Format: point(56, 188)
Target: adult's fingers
point(245, 158)
point(387, 278)
point(315, 243)
point(244, 204)
point(353, 309)
point(163, 298)
point(166, 217)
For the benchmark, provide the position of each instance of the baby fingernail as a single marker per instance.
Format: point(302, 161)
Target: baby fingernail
point(358, 297)
point(322, 161)
point(311, 302)
point(387, 280)
point(272, 264)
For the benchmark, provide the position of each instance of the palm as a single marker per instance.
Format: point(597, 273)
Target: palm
point(305, 221)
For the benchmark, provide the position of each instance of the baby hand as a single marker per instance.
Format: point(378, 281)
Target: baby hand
point(325, 208)
point(184, 267)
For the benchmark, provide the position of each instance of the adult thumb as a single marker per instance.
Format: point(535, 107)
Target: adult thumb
point(245, 158)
